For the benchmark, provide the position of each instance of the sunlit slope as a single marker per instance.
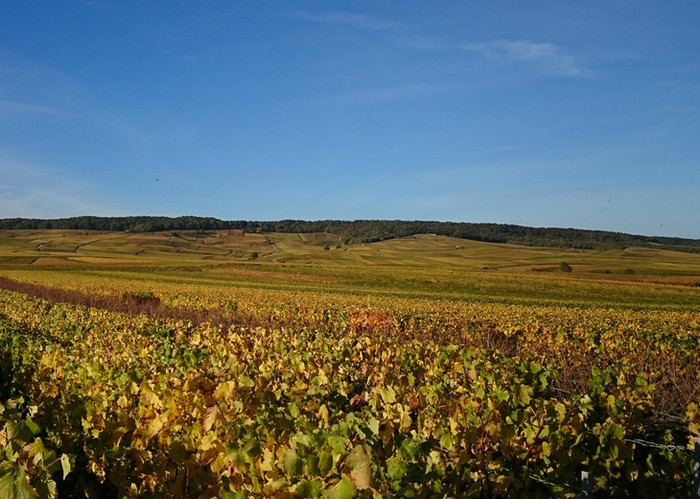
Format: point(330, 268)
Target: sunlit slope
point(76, 248)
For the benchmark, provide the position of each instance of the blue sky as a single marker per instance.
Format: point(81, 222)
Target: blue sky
point(560, 113)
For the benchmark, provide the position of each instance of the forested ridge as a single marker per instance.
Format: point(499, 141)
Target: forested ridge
point(366, 231)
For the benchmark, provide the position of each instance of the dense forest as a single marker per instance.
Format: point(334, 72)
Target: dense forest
point(366, 231)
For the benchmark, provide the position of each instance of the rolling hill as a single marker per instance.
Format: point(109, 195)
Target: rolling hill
point(367, 231)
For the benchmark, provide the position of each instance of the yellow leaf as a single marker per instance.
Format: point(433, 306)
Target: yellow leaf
point(224, 391)
point(359, 463)
point(153, 427)
point(406, 422)
point(218, 464)
point(208, 442)
point(322, 413)
point(361, 477)
point(210, 417)
point(150, 398)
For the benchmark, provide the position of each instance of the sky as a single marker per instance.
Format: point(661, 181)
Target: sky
point(567, 113)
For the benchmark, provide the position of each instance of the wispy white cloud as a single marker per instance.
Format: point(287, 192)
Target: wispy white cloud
point(31, 85)
point(548, 57)
point(422, 42)
point(12, 108)
point(36, 90)
point(352, 19)
point(31, 191)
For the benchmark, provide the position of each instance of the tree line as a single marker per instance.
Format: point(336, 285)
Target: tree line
point(367, 231)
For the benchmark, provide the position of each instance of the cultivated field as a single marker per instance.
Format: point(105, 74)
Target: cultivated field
point(232, 364)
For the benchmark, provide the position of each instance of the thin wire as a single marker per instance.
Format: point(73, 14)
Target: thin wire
point(654, 445)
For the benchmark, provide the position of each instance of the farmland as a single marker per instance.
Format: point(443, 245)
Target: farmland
point(234, 364)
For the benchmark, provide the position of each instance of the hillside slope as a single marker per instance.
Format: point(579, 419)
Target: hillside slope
point(365, 231)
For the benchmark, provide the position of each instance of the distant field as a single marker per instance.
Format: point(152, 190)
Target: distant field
point(420, 266)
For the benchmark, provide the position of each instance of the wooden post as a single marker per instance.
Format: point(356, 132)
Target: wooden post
point(696, 470)
point(586, 484)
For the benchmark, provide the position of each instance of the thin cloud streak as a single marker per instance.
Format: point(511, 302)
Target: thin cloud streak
point(67, 98)
point(360, 21)
point(11, 107)
point(549, 57)
point(420, 42)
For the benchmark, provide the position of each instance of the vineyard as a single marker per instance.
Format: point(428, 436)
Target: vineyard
point(272, 381)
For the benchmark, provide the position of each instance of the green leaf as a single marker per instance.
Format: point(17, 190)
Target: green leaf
point(47, 490)
point(312, 465)
point(7, 481)
point(19, 432)
point(410, 448)
point(32, 426)
point(501, 395)
point(525, 394)
point(308, 488)
point(395, 468)
point(236, 456)
point(388, 394)
point(36, 450)
point(446, 440)
point(561, 412)
point(14, 484)
point(325, 463)
point(344, 489)
point(292, 464)
point(373, 425)
point(337, 443)
point(614, 431)
point(293, 410)
point(529, 433)
point(274, 485)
